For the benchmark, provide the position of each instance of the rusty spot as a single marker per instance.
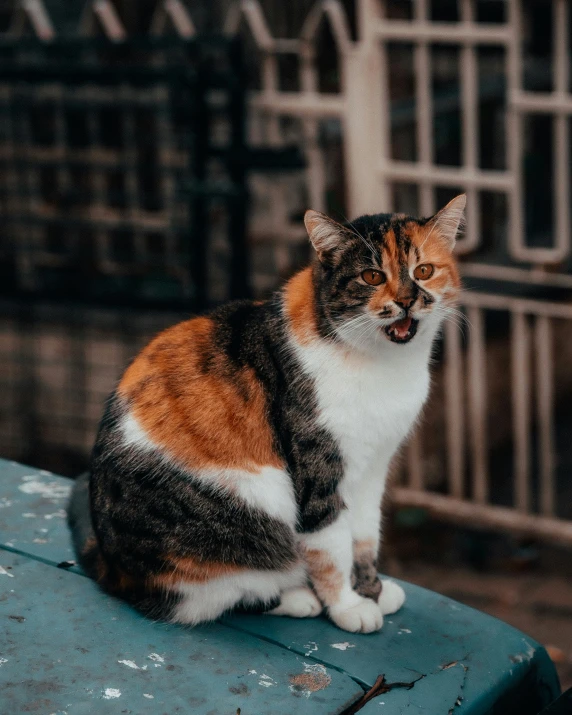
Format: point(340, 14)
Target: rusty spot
point(310, 681)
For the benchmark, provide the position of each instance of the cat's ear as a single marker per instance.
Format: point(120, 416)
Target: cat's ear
point(447, 223)
point(326, 235)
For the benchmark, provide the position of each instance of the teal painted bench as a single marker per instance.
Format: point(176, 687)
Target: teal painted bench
point(67, 648)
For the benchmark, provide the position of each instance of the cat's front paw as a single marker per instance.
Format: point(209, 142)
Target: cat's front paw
point(363, 617)
point(391, 598)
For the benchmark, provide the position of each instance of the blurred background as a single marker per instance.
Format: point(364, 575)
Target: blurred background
point(157, 157)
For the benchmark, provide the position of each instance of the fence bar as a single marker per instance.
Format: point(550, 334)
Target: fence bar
point(477, 404)
point(410, 171)
point(300, 104)
point(533, 276)
point(424, 109)
point(454, 412)
point(470, 138)
point(545, 412)
point(520, 372)
point(522, 305)
point(536, 103)
point(513, 129)
point(443, 32)
point(561, 149)
point(464, 512)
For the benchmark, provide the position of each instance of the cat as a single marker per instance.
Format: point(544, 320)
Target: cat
point(242, 459)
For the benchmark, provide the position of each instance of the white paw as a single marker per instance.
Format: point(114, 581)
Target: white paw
point(298, 603)
point(363, 617)
point(391, 598)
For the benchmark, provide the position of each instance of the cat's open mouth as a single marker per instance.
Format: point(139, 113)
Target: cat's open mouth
point(402, 331)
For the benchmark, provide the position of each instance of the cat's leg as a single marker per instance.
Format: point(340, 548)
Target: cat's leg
point(364, 506)
point(329, 558)
point(207, 601)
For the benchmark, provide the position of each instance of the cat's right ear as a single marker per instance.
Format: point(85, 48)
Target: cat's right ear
point(326, 236)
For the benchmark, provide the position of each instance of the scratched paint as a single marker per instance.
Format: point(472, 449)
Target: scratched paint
point(311, 647)
point(342, 646)
point(3, 572)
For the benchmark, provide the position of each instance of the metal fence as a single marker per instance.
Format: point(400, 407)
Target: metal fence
point(123, 203)
point(399, 106)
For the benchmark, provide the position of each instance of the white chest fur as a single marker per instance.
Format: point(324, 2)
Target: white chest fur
point(369, 403)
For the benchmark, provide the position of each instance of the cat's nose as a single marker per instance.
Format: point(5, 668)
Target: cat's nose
point(404, 301)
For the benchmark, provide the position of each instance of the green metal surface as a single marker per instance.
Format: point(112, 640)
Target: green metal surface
point(428, 637)
point(66, 647)
point(436, 656)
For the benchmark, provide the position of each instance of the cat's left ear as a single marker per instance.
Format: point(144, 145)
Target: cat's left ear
point(449, 221)
point(325, 234)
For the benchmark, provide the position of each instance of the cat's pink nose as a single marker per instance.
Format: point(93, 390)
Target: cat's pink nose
point(405, 301)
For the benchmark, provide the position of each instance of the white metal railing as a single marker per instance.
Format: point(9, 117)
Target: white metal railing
point(362, 107)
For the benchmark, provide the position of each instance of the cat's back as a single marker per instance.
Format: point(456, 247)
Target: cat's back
point(194, 393)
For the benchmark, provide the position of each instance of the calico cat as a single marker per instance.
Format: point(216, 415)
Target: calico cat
point(242, 459)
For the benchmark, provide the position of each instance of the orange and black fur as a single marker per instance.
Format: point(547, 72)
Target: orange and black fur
point(221, 476)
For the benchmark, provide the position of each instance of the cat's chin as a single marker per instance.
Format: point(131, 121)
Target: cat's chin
point(402, 331)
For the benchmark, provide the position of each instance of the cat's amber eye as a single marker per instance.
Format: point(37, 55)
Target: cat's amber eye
point(424, 271)
point(373, 277)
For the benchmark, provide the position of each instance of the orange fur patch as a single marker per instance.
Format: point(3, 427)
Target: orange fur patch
point(192, 571)
point(300, 305)
point(195, 405)
point(326, 578)
point(432, 249)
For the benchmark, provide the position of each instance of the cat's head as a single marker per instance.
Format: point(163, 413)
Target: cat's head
point(385, 277)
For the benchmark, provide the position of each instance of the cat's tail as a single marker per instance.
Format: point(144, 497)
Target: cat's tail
point(79, 521)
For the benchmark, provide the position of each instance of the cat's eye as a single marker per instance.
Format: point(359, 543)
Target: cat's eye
point(424, 271)
point(373, 277)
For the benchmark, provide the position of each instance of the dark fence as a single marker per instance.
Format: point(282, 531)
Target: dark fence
point(123, 206)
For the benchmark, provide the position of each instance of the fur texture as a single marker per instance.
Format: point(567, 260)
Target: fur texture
point(242, 459)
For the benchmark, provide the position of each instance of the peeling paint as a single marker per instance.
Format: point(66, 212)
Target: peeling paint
point(404, 630)
point(3, 572)
point(5, 502)
point(132, 664)
point(48, 490)
point(524, 657)
point(111, 693)
point(2, 661)
point(29, 515)
point(342, 646)
point(148, 696)
point(311, 647)
point(60, 514)
point(266, 681)
point(156, 657)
